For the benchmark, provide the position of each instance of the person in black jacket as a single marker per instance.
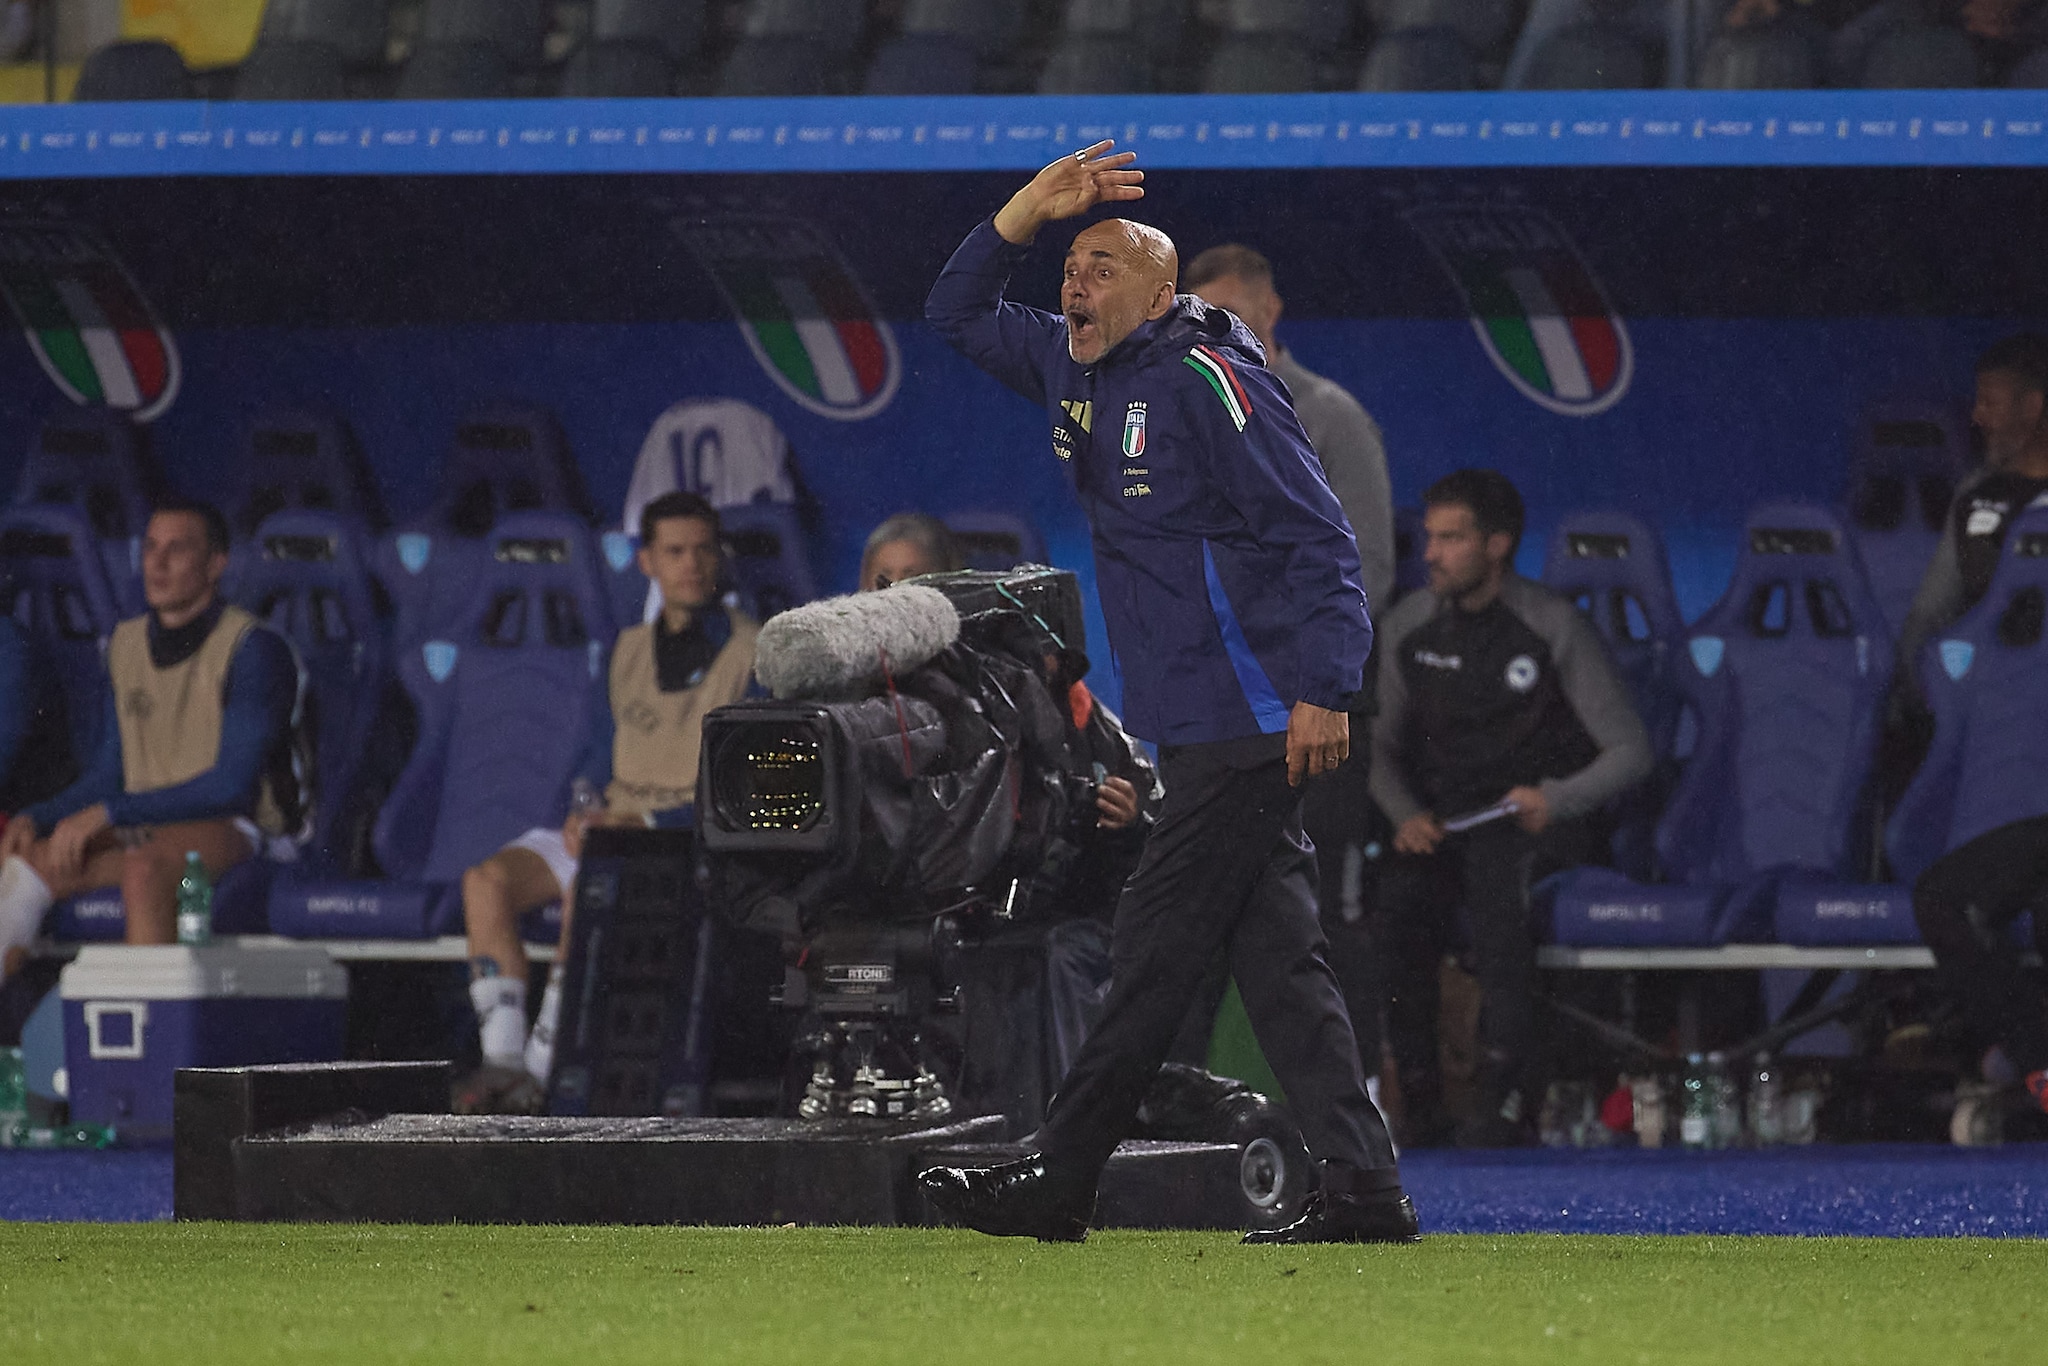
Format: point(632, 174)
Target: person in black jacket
point(1495, 694)
point(1229, 583)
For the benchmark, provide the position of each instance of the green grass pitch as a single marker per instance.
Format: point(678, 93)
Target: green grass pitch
point(215, 1294)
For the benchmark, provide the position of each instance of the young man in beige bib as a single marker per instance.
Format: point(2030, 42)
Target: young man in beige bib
point(195, 751)
point(665, 676)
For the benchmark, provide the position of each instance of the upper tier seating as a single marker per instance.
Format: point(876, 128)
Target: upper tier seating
point(144, 69)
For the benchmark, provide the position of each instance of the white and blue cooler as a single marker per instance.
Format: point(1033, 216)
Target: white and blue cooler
point(135, 1014)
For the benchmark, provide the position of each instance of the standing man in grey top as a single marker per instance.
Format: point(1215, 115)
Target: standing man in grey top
point(1495, 693)
point(1337, 808)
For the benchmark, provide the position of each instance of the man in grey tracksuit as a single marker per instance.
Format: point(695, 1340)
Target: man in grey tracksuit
point(1494, 692)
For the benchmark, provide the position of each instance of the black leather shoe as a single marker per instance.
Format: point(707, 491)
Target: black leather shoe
point(1327, 1217)
point(1014, 1199)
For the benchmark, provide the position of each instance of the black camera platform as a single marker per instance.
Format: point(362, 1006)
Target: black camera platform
point(372, 1142)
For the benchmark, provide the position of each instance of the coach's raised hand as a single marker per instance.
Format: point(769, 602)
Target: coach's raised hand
point(1072, 185)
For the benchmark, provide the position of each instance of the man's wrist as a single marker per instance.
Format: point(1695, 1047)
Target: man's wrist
point(1018, 224)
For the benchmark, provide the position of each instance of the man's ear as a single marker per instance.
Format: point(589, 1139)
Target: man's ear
point(1162, 299)
point(1500, 546)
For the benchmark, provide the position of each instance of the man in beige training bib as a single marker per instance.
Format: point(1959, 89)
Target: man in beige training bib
point(665, 676)
point(195, 749)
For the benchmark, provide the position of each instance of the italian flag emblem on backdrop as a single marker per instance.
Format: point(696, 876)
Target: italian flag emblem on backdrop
point(89, 326)
point(1541, 316)
point(805, 317)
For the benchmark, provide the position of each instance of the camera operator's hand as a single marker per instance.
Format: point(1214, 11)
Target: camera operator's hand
point(1318, 740)
point(1419, 834)
point(1117, 800)
point(1072, 185)
point(1532, 808)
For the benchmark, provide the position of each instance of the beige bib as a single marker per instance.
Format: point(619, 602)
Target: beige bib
point(658, 734)
point(170, 718)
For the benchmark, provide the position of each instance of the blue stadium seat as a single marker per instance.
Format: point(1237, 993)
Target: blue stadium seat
point(1614, 566)
point(1987, 681)
point(280, 69)
point(995, 540)
point(143, 69)
point(766, 561)
point(295, 459)
point(1419, 59)
point(356, 31)
point(675, 26)
point(503, 460)
point(1788, 674)
point(1902, 475)
point(92, 460)
point(455, 71)
point(1920, 57)
point(1761, 57)
point(619, 68)
point(514, 28)
point(504, 698)
point(306, 574)
point(53, 585)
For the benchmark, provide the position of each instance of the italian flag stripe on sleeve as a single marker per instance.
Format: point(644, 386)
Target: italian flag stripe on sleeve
point(1213, 368)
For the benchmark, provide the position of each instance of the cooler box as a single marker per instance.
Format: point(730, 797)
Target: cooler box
point(133, 1015)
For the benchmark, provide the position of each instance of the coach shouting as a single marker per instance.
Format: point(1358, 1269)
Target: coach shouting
point(1230, 582)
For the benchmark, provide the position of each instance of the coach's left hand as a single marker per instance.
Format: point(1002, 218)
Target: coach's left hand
point(1318, 740)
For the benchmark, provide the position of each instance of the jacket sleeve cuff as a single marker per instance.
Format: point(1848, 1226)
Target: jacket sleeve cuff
point(1331, 698)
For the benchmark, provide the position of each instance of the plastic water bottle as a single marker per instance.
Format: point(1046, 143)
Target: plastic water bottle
point(1696, 1119)
point(195, 902)
point(1725, 1115)
point(1766, 1103)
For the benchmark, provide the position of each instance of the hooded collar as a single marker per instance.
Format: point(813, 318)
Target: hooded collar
point(1191, 321)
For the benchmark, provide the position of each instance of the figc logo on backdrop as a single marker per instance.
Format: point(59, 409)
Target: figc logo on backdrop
point(94, 334)
point(1544, 320)
point(804, 315)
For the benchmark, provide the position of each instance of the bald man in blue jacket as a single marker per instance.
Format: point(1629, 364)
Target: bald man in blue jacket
point(1229, 580)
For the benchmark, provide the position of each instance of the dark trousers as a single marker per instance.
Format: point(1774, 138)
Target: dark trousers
point(1965, 904)
point(1487, 871)
point(1227, 866)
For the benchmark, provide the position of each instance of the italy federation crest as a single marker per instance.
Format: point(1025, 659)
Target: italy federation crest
point(91, 330)
point(1134, 431)
point(1543, 318)
point(804, 315)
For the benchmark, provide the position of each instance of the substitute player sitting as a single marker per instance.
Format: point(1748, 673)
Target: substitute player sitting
point(195, 751)
point(665, 675)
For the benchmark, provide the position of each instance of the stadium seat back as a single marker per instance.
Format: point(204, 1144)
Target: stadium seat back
point(513, 27)
point(504, 701)
point(1987, 681)
point(1253, 64)
point(280, 69)
point(1095, 64)
point(1788, 674)
point(53, 585)
point(505, 460)
point(455, 71)
point(304, 461)
point(995, 540)
point(1155, 27)
point(990, 28)
point(766, 560)
point(778, 66)
point(1481, 24)
point(1419, 59)
point(1762, 57)
point(833, 24)
point(1920, 57)
point(142, 69)
point(1311, 21)
point(1614, 567)
point(675, 26)
point(306, 575)
point(1592, 56)
point(355, 30)
point(619, 68)
point(924, 64)
point(1902, 476)
point(91, 460)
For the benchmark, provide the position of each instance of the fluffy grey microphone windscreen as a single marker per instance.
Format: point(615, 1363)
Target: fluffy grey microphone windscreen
point(835, 647)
